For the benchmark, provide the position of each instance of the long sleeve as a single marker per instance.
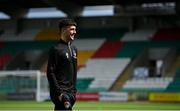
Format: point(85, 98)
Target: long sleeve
point(75, 69)
point(51, 71)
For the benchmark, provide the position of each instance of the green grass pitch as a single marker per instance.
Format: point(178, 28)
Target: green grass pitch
point(32, 105)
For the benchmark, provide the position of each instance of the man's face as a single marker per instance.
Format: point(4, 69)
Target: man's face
point(70, 32)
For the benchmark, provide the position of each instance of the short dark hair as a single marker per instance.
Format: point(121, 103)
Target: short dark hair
point(66, 22)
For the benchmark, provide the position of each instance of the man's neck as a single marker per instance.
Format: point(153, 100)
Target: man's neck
point(64, 39)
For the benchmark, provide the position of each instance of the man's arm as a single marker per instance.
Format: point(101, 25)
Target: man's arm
point(51, 71)
point(75, 70)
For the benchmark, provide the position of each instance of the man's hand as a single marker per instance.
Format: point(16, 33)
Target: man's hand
point(60, 97)
point(63, 97)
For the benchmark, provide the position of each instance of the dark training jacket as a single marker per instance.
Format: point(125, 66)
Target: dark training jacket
point(62, 68)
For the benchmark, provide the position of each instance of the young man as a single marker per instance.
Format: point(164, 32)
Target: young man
point(62, 67)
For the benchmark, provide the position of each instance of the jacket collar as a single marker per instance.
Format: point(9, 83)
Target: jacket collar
point(63, 42)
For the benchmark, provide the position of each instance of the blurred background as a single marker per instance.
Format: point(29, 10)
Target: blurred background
point(129, 50)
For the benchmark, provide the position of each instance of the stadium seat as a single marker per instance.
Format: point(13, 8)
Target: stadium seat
point(104, 71)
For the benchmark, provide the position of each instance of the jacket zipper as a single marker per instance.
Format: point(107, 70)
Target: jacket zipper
point(70, 49)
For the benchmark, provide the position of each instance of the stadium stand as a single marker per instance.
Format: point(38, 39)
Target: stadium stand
point(88, 44)
point(103, 71)
point(25, 35)
point(108, 49)
point(83, 57)
point(47, 34)
point(18, 49)
point(126, 50)
point(108, 33)
point(83, 84)
point(138, 35)
point(4, 59)
point(174, 86)
point(167, 34)
point(94, 47)
point(7, 35)
point(148, 84)
point(14, 46)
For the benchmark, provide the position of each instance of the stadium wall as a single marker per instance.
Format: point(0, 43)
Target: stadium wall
point(164, 97)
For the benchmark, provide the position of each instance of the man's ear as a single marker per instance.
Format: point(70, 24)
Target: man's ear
point(63, 30)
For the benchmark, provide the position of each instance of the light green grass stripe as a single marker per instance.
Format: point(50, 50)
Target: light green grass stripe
point(95, 106)
point(93, 110)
